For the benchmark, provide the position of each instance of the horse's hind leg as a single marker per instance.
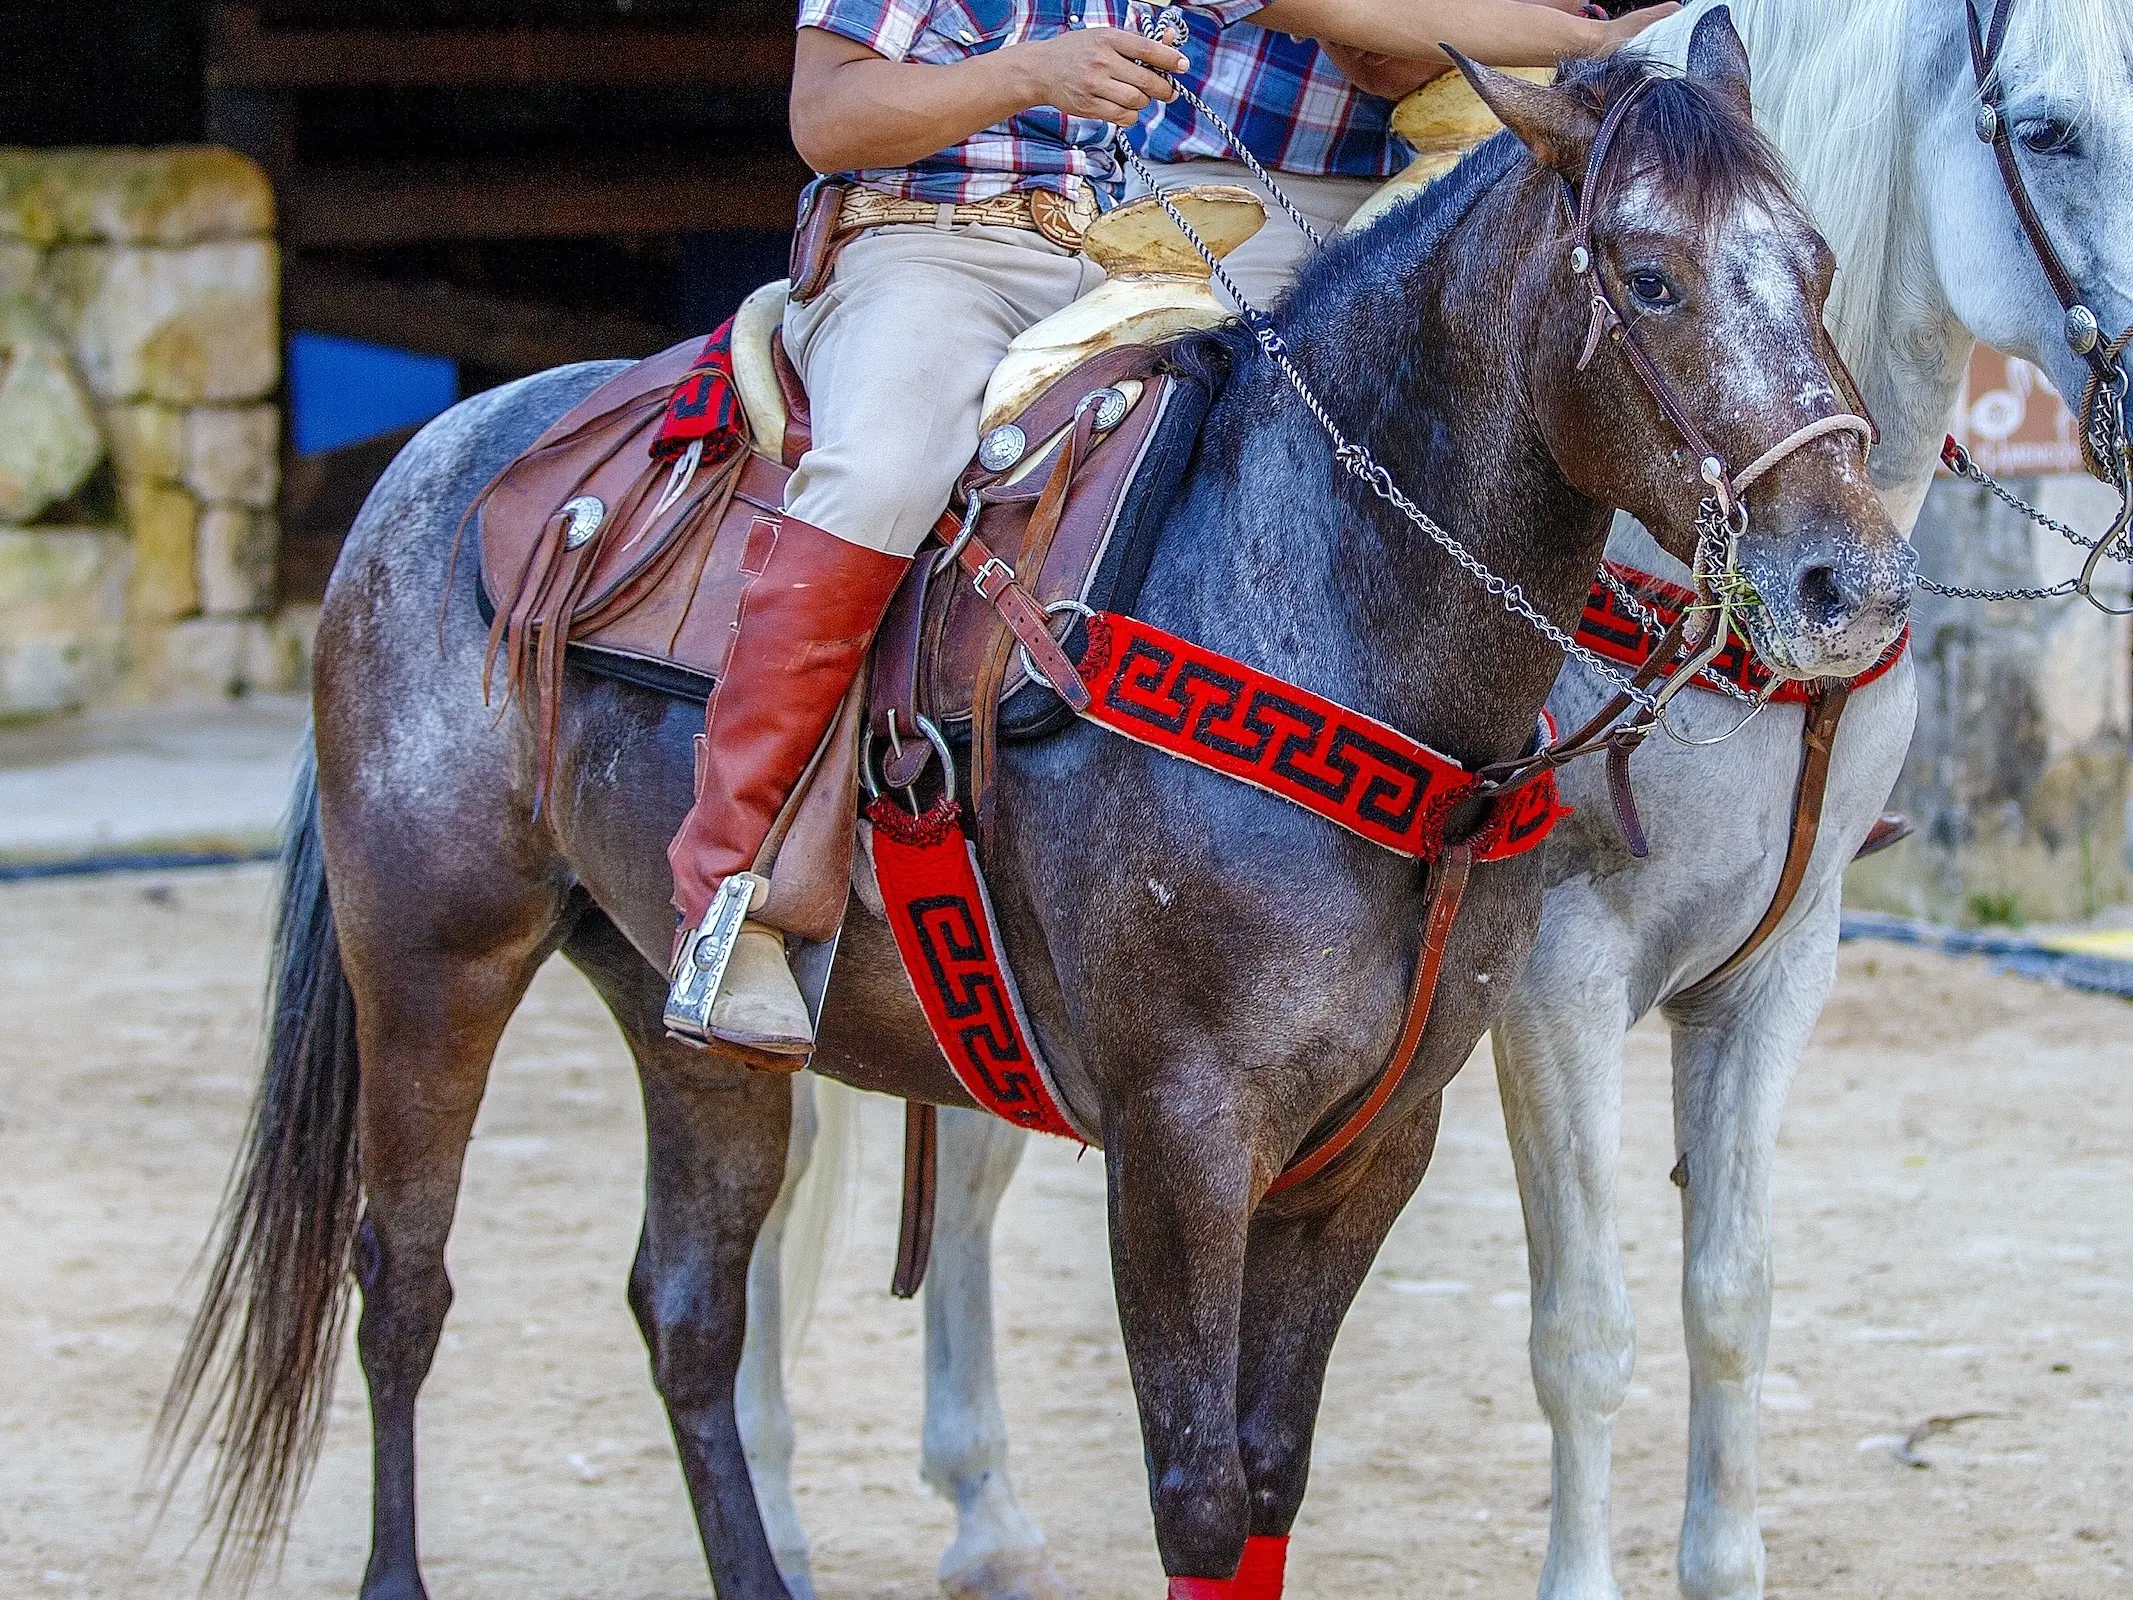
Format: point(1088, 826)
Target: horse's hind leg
point(1558, 1049)
point(998, 1552)
point(717, 1137)
point(430, 1010)
point(1735, 1053)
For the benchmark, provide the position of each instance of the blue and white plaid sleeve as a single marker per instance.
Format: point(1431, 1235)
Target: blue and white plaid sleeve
point(886, 27)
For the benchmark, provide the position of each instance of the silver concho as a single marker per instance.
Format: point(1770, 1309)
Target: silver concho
point(2082, 330)
point(1988, 124)
point(1580, 260)
point(1001, 448)
point(1111, 407)
point(586, 513)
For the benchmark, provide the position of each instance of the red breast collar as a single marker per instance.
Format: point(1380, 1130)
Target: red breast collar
point(1610, 628)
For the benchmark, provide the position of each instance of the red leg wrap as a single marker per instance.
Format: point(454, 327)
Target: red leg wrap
point(1202, 1589)
point(1266, 1558)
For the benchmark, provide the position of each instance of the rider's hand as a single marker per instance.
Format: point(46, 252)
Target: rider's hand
point(1097, 72)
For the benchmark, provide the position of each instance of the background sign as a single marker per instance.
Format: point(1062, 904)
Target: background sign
point(2012, 420)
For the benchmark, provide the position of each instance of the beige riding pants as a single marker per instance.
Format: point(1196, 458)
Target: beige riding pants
point(1264, 263)
point(896, 351)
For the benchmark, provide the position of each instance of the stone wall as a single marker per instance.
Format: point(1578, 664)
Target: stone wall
point(2017, 777)
point(139, 435)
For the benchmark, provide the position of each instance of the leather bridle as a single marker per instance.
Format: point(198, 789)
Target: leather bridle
point(2103, 421)
point(1724, 513)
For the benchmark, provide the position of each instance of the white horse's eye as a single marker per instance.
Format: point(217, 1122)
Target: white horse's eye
point(2046, 136)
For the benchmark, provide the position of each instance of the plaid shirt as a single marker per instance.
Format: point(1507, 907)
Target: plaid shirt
point(1041, 148)
point(1286, 99)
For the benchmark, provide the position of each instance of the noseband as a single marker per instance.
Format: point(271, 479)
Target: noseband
point(2103, 423)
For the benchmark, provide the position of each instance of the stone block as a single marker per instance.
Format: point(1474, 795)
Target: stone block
point(29, 204)
point(147, 440)
point(49, 441)
point(170, 196)
point(185, 326)
point(62, 614)
point(216, 658)
point(233, 453)
point(18, 267)
point(235, 567)
point(164, 521)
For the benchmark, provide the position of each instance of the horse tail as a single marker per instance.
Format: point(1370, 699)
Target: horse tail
point(821, 1204)
point(257, 1371)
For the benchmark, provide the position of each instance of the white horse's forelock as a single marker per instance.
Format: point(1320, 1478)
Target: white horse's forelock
point(2079, 52)
point(1826, 75)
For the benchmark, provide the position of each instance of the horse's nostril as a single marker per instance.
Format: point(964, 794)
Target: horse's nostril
point(1824, 595)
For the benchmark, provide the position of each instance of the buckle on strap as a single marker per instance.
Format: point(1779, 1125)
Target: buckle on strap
point(995, 572)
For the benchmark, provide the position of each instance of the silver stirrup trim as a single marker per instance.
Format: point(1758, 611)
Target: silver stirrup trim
point(700, 968)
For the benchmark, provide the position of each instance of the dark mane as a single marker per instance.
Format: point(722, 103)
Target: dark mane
point(1713, 157)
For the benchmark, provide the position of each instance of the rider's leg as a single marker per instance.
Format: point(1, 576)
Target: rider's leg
point(1266, 262)
point(895, 352)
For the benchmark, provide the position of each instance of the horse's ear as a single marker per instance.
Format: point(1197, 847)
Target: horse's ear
point(1553, 125)
point(1718, 60)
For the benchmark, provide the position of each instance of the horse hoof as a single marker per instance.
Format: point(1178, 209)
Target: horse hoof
point(1026, 1574)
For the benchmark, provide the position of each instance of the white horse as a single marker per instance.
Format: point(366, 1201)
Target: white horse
point(1873, 103)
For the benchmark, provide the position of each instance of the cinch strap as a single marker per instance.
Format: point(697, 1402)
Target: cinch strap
point(938, 911)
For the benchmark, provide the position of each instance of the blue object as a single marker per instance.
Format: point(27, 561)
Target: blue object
point(342, 391)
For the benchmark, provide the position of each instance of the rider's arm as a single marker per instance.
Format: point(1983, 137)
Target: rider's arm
point(1390, 77)
point(853, 109)
point(1497, 33)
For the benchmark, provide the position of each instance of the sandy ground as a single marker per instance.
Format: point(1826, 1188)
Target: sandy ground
point(1955, 1215)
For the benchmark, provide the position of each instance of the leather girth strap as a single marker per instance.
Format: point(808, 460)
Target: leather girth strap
point(1818, 739)
point(1447, 887)
point(914, 1231)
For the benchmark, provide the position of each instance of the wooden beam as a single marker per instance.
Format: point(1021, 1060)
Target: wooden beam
point(356, 207)
point(482, 330)
point(244, 54)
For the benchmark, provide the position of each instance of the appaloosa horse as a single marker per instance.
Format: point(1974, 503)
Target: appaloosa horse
point(1200, 1036)
point(1874, 104)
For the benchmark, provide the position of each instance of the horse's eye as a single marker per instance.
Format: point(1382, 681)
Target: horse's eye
point(1651, 288)
point(2046, 136)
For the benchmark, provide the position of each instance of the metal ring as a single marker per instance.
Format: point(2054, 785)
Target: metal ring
point(1030, 666)
point(934, 737)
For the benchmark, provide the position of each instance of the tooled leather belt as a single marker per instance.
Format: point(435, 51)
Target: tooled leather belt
point(1062, 219)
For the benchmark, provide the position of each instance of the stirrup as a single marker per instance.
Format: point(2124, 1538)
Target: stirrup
point(700, 965)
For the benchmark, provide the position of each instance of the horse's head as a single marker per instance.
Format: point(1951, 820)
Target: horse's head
point(1679, 221)
point(2060, 82)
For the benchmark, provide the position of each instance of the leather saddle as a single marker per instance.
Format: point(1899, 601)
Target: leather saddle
point(589, 556)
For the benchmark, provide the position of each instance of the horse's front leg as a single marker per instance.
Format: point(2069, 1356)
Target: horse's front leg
point(1178, 1161)
point(1735, 1052)
point(1558, 1050)
point(1307, 1257)
point(999, 1551)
